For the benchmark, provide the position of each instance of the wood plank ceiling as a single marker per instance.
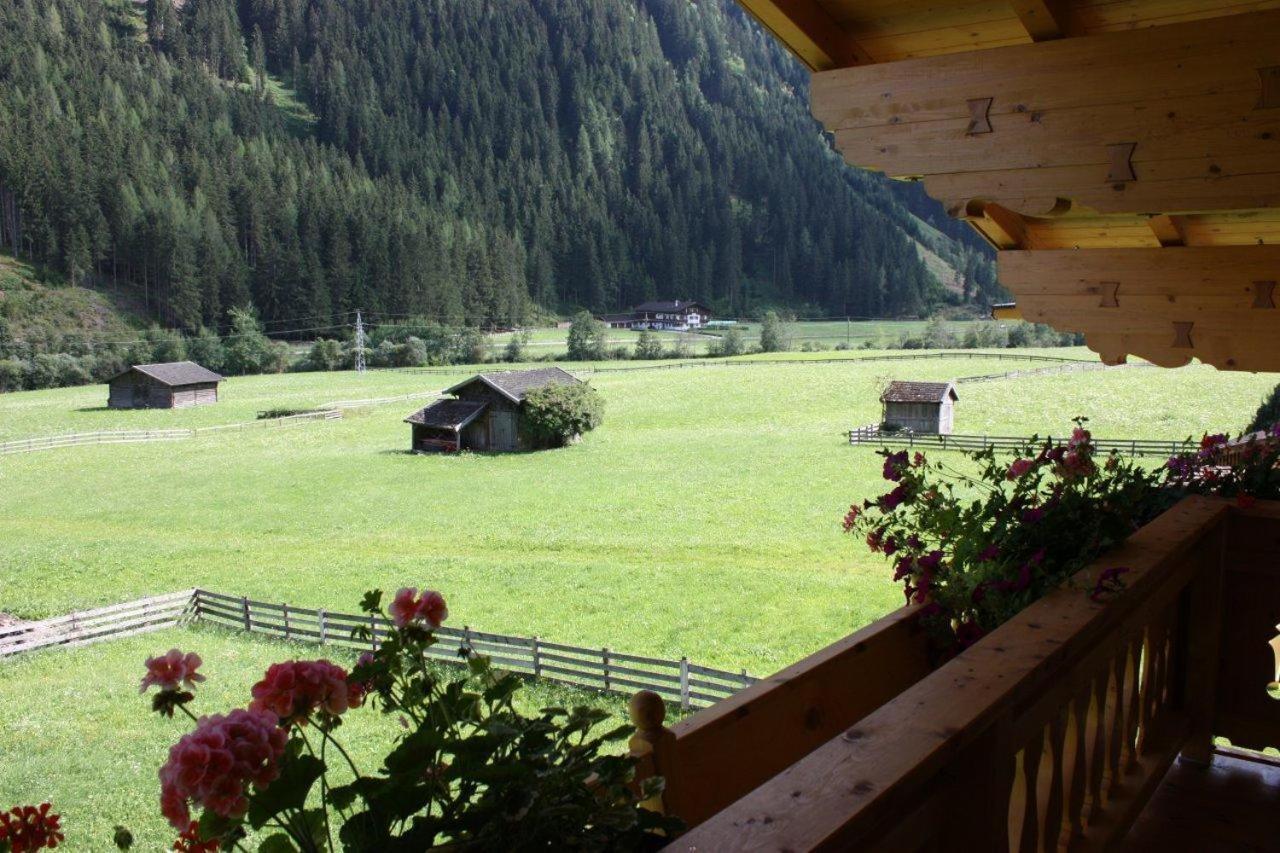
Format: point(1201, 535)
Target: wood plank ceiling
point(1124, 155)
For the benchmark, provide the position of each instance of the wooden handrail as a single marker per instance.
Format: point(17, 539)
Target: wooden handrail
point(1052, 731)
point(719, 754)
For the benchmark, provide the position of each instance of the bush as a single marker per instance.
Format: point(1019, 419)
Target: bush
point(12, 374)
point(1267, 415)
point(773, 335)
point(587, 338)
point(325, 354)
point(514, 351)
point(648, 346)
point(557, 414)
point(205, 349)
point(730, 343)
point(248, 350)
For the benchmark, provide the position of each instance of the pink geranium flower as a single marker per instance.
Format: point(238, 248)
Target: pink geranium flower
point(172, 671)
point(26, 828)
point(1019, 468)
point(213, 766)
point(429, 607)
point(294, 689)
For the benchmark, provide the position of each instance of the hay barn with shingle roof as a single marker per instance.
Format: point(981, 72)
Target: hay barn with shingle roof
point(173, 385)
point(484, 413)
point(926, 407)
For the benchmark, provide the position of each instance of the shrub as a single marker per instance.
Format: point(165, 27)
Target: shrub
point(587, 338)
point(730, 343)
point(1268, 411)
point(12, 374)
point(514, 351)
point(325, 354)
point(773, 335)
point(206, 349)
point(556, 414)
point(648, 346)
point(248, 350)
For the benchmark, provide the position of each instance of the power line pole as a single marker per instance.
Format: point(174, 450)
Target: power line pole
point(359, 343)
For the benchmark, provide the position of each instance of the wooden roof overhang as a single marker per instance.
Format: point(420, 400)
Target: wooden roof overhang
point(1123, 155)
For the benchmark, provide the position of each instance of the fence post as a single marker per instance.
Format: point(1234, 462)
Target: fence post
point(284, 608)
point(373, 631)
point(604, 659)
point(537, 658)
point(684, 683)
point(1133, 448)
point(466, 637)
point(244, 607)
point(324, 635)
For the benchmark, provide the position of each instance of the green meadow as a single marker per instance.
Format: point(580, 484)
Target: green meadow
point(702, 519)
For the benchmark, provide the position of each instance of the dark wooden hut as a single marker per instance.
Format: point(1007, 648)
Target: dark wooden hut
point(927, 407)
point(175, 385)
point(484, 413)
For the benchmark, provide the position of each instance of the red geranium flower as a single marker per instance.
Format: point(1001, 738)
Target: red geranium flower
point(26, 828)
point(190, 842)
point(293, 689)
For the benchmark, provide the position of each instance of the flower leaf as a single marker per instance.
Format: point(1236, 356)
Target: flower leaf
point(287, 792)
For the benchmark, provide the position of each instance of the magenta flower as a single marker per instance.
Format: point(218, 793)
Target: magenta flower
point(989, 553)
point(1079, 436)
point(894, 464)
point(294, 689)
point(892, 500)
point(214, 765)
point(851, 518)
point(1019, 468)
point(172, 671)
point(409, 606)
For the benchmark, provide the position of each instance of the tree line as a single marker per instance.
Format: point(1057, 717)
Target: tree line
point(477, 164)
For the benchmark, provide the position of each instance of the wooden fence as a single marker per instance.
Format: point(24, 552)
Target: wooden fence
point(690, 685)
point(873, 434)
point(139, 436)
point(102, 623)
point(378, 401)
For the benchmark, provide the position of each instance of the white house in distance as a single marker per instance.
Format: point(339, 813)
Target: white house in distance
point(672, 316)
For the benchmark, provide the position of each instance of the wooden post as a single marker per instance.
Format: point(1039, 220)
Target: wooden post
point(684, 684)
point(1198, 649)
point(244, 606)
point(648, 712)
point(537, 658)
point(604, 660)
point(284, 609)
point(373, 631)
point(466, 637)
point(323, 631)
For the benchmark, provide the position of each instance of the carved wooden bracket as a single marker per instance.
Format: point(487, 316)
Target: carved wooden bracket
point(1121, 163)
point(1264, 294)
point(1269, 98)
point(1182, 335)
point(979, 116)
point(1110, 294)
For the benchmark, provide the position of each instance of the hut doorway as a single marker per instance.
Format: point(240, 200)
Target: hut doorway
point(502, 426)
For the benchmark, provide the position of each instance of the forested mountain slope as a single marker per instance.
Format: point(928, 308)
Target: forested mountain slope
point(464, 161)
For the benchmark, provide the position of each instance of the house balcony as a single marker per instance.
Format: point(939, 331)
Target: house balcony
point(1077, 725)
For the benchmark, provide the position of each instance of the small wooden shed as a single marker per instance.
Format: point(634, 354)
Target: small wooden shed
point(175, 385)
point(483, 414)
point(926, 407)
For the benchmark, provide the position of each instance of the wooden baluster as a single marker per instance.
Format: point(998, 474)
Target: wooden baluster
point(1055, 797)
point(1117, 697)
point(1141, 692)
point(1133, 711)
point(1099, 734)
point(1077, 749)
point(1027, 789)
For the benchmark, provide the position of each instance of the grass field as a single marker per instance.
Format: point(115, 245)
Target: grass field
point(702, 518)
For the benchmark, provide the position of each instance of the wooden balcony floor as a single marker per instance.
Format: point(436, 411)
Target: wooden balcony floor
point(1231, 805)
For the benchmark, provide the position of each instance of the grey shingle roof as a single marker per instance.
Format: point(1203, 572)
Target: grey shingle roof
point(448, 414)
point(918, 392)
point(515, 384)
point(669, 306)
point(176, 373)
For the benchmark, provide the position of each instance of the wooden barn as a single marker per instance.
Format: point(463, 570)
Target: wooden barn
point(928, 407)
point(175, 385)
point(484, 413)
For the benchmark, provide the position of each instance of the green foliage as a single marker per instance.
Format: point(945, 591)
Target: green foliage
point(516, 347)
point(730, 343)
point(326, 354)
point(247, 350)
point(556, 414)
point(773, 335)
point(588, 338)
point(1268, 413)
point(648, 346)
point(307, 173)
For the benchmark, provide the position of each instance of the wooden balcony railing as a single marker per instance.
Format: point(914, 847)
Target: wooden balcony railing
point(1051, 733)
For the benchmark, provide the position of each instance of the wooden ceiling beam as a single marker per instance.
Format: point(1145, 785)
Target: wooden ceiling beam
point(809, 31)
point(1044, 20)
point(1167, 230)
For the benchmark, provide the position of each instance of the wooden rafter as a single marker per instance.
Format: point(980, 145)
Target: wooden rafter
point(810, 31)
point(1043, 19)
point(1167, 230)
